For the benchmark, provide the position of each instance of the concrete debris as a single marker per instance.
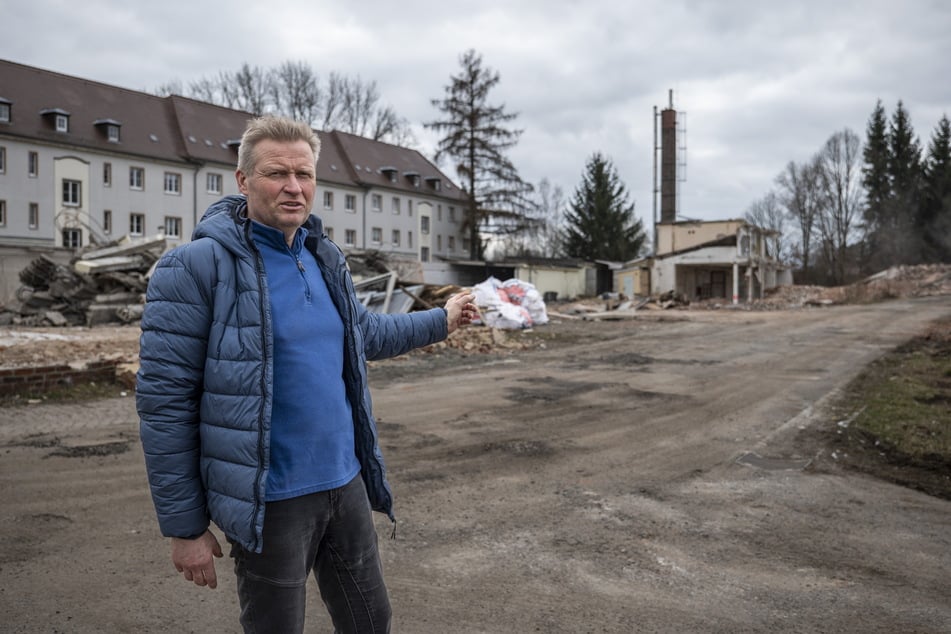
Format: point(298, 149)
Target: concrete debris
point(101, 285)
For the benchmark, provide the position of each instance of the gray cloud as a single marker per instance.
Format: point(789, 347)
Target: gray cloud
point(761, 83)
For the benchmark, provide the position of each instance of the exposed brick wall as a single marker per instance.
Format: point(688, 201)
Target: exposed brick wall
point(38, 380)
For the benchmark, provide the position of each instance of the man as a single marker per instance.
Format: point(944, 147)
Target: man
point(253, 398)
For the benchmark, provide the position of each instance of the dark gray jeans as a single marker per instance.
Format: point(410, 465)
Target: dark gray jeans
point(331, 533)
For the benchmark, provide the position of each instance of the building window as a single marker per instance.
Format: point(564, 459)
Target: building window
point(3, 160)
point(173, 183)
point(72, 238)
point(330, 233)
point(137, 178)
point(376, 235)
point(213, 183)
point(72, 193)
point(424, 225)
point(173, 227)
point(33, 165)
point(328, 200)
point(3, 213)
point(465, 244)
point(396, 237)
point(424, 254)
point(350, 203)
point(452, 243)
point(107, 221)
point(34, 218)
point(112, 133)
point(396, 205)
point(438, 213)
point(349, 237)
point(136, 224)
point(62, 123)
point(452, 213)
point(409, 208)
point(439, 242)
point(107, 174)
point(376, 202)
point(409, 239)
point(4, 113)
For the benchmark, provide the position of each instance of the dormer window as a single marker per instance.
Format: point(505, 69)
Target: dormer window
point(413, 178)
point(110, 128)
point(59, 118)
point(435, 182)
point(390, 173)
point(6, 110)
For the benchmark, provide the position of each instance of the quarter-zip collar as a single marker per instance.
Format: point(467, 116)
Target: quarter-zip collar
point(275, 237)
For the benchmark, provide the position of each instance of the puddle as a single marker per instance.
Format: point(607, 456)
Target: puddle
point(751, 459)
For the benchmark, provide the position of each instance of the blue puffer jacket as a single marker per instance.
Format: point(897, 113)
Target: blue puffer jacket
point(204, 386)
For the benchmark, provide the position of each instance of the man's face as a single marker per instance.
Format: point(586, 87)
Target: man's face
point(280, 188)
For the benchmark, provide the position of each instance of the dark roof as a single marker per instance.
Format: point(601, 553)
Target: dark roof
point(177, 128)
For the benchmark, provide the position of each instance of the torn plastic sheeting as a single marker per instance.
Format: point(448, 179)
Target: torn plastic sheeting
point(510, 305)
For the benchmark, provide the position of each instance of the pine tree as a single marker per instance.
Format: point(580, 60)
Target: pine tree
point(875, 173)
point(600, 222)
point(476, 138)
point(935, 210)
point(904, 172)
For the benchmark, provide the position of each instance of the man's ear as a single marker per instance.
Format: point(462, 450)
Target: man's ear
point(242, 181)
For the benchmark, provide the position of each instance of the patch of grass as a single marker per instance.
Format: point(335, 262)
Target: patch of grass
point(904, 398)
point(894, 419)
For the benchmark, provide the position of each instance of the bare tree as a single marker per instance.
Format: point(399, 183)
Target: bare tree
point(800, 194)
point(541, 235)
point(768, 213)
point(840, 177)
point(293, 89)
point(295, 92)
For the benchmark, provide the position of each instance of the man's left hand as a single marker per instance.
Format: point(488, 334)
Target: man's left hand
point(460, 310)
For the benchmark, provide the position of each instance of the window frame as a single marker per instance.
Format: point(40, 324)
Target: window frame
point(33, 217)
point(376, 235)
point(6, 112)
point(213, 183)
point(175, 180)
point(107, 174)
point(136, 223)
point(350, 238)
point(33, 164)
point(107, 221)
point(3, 159)
point(350, 203)
point(137, 184)
point(3, 213)
point(328, 200)
point(72, 193)
point(172, 221)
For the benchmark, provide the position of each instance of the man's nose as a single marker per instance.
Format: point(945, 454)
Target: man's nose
point(292, 184)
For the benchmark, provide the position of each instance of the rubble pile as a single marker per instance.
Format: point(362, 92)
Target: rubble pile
point(101, 285)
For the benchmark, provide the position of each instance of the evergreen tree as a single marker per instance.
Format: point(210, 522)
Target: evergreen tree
point(935, 211)
point(875, 176)
point(904, 172)
point(476, 138)
point(600, 222)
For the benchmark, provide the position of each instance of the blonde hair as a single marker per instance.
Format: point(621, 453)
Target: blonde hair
point(274, 129)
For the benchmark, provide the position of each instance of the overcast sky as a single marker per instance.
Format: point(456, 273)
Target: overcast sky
point(760, 83)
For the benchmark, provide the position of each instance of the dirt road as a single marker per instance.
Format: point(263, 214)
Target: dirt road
point(654, 475)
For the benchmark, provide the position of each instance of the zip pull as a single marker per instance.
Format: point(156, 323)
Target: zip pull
point(300, 265)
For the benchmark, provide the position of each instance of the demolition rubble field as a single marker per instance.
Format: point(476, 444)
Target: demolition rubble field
point(676, 471)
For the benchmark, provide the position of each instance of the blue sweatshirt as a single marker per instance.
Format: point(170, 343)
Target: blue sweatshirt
point(311, 448)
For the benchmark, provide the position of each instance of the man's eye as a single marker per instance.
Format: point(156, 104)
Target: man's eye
point(304, 176)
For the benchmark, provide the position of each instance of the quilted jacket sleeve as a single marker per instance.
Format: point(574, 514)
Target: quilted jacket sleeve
point(387, 335)
point(173, 344)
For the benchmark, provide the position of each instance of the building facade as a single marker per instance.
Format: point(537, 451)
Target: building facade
point(84, 163)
